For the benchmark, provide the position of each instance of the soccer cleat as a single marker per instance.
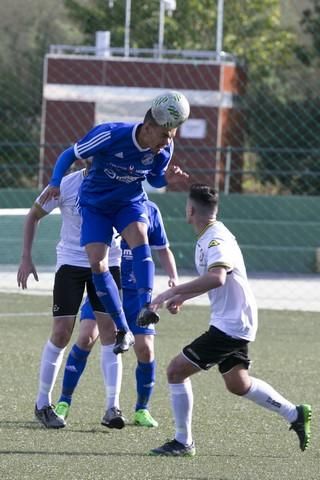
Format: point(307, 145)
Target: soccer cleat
point(113, 418)
point(48, 417)
point(62, 410)
point(124, 340)
point(175, 449)
point(143, 418)
point(147, 317)
point(302, 426)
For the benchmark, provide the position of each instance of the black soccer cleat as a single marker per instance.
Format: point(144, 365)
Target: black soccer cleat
point(113, 418)
point(147, 317)
point(48, 417)
point(124, 340)
point(174, 449)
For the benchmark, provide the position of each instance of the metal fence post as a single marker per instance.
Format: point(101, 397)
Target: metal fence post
point(227, 173)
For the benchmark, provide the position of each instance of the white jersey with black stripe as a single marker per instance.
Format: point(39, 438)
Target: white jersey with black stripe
point(69, 251)
point(233, 306)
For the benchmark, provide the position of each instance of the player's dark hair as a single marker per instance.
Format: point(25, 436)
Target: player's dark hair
point(148, 118)
point(204, 196)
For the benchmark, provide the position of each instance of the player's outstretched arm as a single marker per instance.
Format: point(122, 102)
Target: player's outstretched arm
point(168, 263)
point(26, 266)
point(63, 163)
point(175, 174)
point(50, 193)
point(212, 279)
point(171, 298)
point(175, 303)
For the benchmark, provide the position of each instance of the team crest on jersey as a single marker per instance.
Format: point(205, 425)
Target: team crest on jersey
point(213, 243)
point(147, 159)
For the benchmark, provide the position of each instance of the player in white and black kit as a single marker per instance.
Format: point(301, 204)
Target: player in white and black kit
point(145, 372)
point(73, 276)
point(232, 326)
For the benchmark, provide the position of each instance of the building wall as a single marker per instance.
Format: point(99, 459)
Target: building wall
point(81, 91)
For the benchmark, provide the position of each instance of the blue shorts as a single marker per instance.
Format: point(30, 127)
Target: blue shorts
point(98, 226)
point(131, 309)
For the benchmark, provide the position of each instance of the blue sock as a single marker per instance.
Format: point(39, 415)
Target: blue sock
point(76, 362)
point(145, 377)
point(143, 269)
point(110, 298)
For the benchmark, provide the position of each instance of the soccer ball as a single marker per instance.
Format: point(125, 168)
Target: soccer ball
point(170, 109)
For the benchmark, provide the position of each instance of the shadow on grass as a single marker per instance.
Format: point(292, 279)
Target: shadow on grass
point(129, 454)
point(35, 425)
point(71, 454)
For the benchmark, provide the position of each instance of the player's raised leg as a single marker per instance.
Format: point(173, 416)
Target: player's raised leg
point(96, 235)
point(136, 235)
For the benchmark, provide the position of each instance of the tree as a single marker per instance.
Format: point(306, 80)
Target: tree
point(27, 29)
point(310, 23)
point(252, 30)
point(279, 117)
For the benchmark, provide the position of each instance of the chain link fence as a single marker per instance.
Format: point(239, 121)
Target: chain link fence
point(257, 142)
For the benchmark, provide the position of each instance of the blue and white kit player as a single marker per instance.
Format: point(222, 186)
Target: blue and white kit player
point(144, 335)
point(112, 195)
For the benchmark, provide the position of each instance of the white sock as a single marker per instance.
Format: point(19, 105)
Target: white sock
point(50, 364)
point(266, 396)
point(111, 367)
point(182, 405)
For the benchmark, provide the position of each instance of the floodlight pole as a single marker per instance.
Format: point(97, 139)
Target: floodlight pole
point(219, 29)
point(161, 27)
point(126, 26)
point(127, 29)
point(170, 6)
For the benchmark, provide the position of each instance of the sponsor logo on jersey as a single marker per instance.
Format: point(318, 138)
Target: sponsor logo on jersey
point(111, 173)
point(147, 159)
point(213, 243)
point(121, 178)
point(119, 155)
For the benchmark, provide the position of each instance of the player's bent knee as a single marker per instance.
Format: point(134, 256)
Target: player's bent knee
point(144, 354)
point(62, 331)
point(174, 375)
point(86, 342)
point(237, 387)
point(60, 339)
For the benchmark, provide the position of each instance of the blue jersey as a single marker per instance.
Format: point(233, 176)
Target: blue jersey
point(157, 240)
point(119, 166)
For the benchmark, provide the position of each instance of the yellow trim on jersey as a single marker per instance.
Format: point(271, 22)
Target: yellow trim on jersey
point(206, 228)
point(220, 264)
